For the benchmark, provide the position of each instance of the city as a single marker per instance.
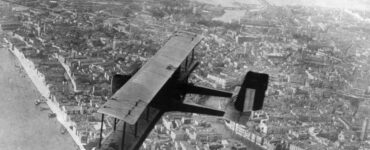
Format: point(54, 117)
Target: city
point(317, 58)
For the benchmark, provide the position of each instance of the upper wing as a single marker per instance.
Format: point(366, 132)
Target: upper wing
point(130, 100)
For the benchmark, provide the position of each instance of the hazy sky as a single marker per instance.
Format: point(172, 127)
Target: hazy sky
point(345, 4)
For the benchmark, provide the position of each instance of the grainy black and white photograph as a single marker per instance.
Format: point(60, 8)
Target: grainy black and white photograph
point(184, 74)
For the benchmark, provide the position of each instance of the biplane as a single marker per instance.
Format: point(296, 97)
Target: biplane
point(160, 85)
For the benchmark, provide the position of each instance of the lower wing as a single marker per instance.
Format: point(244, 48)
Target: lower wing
point(131, 137)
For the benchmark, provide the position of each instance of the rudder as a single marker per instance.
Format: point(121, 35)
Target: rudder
point(252, 92)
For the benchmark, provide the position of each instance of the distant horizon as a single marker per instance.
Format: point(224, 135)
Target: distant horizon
point(362, 5)
point(339, 4)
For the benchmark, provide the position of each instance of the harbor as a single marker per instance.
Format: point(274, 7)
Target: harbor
point(24, 126)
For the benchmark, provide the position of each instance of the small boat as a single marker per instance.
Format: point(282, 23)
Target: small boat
point(44, 108)
point(37, 102)
point(52, 115)
point(63, 130)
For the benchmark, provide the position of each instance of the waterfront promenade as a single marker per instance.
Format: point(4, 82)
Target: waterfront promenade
point(23, 125)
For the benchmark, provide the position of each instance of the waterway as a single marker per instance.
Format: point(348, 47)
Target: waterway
point(231, 15)
point(362, 5)
point(23, 126)
point(341, 4)
point(229, 3)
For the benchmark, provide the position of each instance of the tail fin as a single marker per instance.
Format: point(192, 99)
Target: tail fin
point(250, 97)
point(252, 92)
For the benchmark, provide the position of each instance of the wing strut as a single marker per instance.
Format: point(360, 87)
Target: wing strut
point(101, 130)
point(115, 124)
point(135, 132)
point(123, 136)
point(187, 73)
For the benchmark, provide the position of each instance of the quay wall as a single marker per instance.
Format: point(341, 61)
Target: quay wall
point(254, 141)
point(38, 80)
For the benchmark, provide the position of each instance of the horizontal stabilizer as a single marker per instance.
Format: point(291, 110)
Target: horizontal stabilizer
point(193, 108)
point(192, 89)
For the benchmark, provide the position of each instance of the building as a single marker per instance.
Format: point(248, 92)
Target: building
point(219, 81)
point(178, 135)
point(299, 134)
point(203, 135)
point(364, 130)
point(10, 25)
